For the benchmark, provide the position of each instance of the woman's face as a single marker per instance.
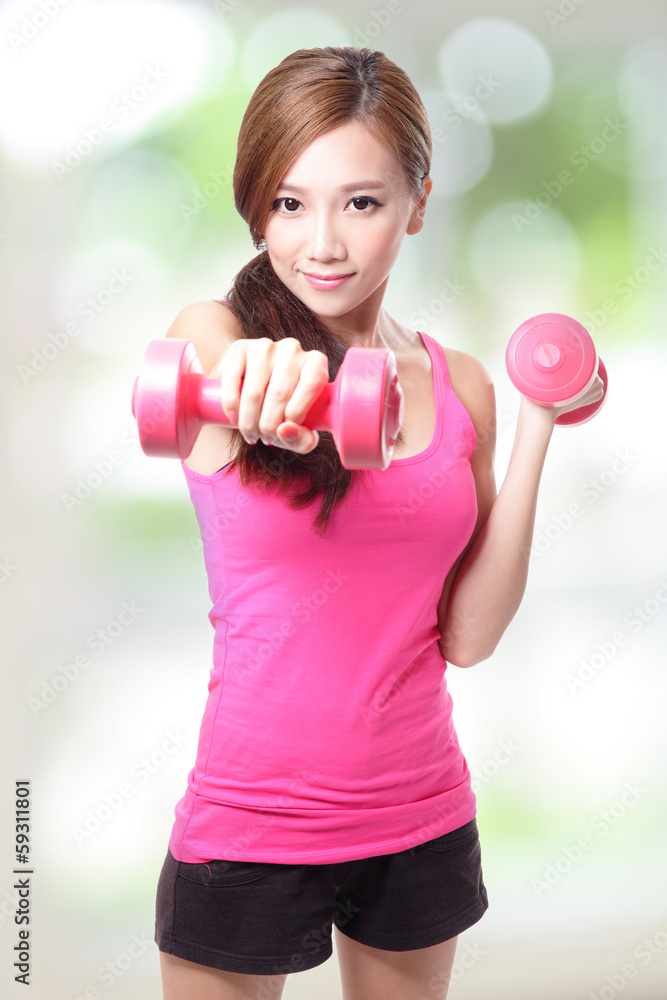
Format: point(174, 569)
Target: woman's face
point(338, 222)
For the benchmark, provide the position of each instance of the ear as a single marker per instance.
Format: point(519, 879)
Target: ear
point(417, 217)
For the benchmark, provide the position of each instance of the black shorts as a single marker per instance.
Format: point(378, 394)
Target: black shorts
point(262, 918)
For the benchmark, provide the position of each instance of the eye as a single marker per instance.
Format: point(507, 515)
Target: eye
point(287, 205)
point(362, 203)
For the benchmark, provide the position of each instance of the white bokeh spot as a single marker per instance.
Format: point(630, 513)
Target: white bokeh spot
point(278, 35)
point(504, 61)
point(531, 264)
point(98, 74)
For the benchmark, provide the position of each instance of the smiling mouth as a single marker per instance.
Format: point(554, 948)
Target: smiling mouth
point(325, 281)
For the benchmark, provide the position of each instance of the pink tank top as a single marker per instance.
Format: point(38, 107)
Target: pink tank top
point(327, 733)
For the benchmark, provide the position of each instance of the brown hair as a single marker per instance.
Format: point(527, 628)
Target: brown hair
point(311, 92)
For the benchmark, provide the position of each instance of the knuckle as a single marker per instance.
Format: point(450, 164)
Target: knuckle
point(234, 355)
point(314, 376)
point(252, 395)
point(321, 360)
point(280, 394)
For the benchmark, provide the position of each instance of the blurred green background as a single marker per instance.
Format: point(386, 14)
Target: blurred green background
point(118, 125)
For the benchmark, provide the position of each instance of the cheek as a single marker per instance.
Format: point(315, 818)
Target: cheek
point(384, 245)
point(281, 241)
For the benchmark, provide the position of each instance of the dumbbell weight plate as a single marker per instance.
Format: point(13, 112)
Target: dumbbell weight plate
point(371, 413)
point(165, 409)
point(551, 359)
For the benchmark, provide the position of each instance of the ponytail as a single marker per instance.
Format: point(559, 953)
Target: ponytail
point(265, 307)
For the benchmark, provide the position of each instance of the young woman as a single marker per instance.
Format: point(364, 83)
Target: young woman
point(329, 787)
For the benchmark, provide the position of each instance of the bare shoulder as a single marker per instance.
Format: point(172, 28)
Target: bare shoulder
point(473, 385)
point(211, 326)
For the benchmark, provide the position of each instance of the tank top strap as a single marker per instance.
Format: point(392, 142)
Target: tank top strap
point(444, 391)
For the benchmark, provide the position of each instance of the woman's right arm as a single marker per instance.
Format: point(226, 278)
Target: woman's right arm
point(270, 385)
point(212, 328)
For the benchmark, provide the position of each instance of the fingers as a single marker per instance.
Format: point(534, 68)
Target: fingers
point(598, 389)
point(269, 385)
point(592, 395)
point(313, 377)
point(232, 370)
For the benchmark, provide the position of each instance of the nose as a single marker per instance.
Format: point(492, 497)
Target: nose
point(324, 242)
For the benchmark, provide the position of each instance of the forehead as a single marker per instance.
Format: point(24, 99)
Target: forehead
point(346, 155)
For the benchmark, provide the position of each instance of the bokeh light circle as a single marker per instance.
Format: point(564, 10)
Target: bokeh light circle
point(462, 144)
point(142, 197)
point(642, 90)
point(98, 74)
point(277, 35)
point(529, 261)
point(501, 64)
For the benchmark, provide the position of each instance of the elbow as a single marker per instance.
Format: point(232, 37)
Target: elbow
point(466, 654)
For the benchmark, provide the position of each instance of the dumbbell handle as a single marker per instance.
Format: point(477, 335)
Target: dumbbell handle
point(205, 392)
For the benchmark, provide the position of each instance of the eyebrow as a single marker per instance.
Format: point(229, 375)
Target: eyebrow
point(373, 185)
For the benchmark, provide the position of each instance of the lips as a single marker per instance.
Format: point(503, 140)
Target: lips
point(326, 282)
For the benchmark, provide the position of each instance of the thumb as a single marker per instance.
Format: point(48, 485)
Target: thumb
point(295, 434)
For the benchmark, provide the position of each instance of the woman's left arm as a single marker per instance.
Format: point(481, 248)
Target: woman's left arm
point(485, 587)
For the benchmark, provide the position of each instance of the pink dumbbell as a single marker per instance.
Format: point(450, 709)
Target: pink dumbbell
point(363, 407)
point(552, 360)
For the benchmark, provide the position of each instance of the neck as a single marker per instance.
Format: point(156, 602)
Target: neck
point(382, 331)
point(367, 326)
